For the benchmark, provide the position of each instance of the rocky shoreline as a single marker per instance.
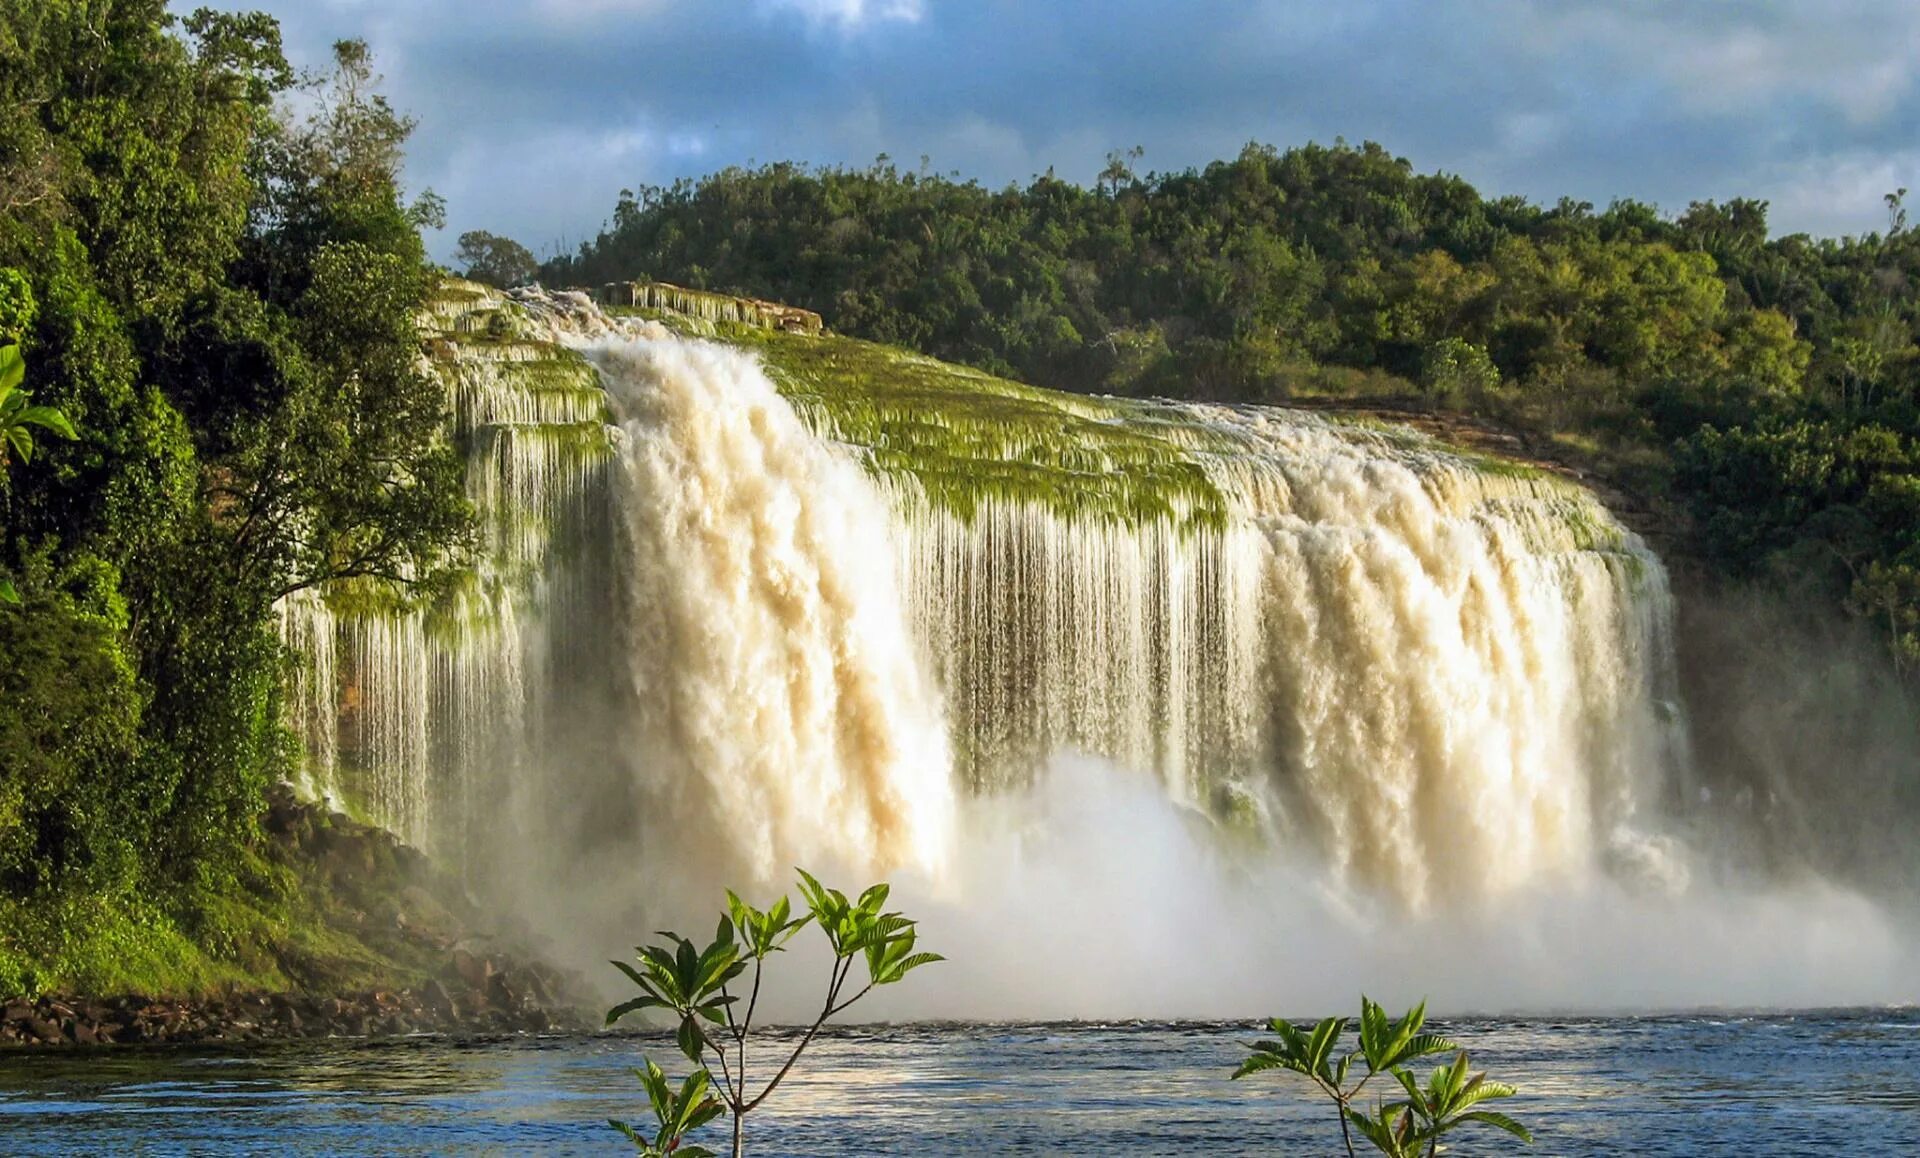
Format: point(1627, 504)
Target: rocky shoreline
point(434, 1008)
point(446, 968)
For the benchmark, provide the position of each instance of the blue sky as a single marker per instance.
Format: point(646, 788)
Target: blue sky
point(533, 114)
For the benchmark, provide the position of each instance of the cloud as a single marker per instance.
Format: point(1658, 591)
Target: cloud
point(850, 14)
point(534, 116)
point(1856, 58)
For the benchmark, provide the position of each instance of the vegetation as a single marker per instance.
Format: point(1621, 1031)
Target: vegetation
point(1398, 1129)
point(220, 295)
point(695, 986)
point(17, 420)
point(500, 262)
point(18, 417)
point(1765, 384)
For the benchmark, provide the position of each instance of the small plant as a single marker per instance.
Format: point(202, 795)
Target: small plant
point(695, 985)
point(16, 416)
point(1398, 1129)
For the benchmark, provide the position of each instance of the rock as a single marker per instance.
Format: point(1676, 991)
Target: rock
point(471, 968)
point(503, 993)
point(435, 998)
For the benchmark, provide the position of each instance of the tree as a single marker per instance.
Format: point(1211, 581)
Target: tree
point(694, 985)
point(219, 292)
point(1398, 1129)
point(304, 384)
point(17, 418)
point(1458, 369)
point(496, 261)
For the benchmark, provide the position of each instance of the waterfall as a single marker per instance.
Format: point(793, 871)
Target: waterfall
point(783, 708)
point(415, 716)
point(744, 619)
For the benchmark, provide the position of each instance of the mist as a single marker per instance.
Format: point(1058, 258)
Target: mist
point(1093, 897)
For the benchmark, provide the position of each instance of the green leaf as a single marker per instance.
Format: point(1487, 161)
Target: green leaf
point(633, 1135)
point(692, 1091)
point(633, 1005)
point(655, 1083)
point(633, 974)
point(49, 418)
point(1394, 1048)
point(1481, 1090)
point(1412, 1085)
point(13, 368)
point(1394, 1137)
point(1500, 1121)
point(909, 964)
point(1425, 1045)
point(8, 595)
point(691, 1040)
point(1320, 1046)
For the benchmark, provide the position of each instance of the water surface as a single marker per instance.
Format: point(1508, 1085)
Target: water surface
point(1819, 1083)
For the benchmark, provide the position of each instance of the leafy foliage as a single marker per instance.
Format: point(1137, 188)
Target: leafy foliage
point(18, 416)
point(216, 298)
point(694, 985)
point(496, 261)
point(1398, 1129)
point(677, 1113)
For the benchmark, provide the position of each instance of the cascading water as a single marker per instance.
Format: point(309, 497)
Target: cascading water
point(781, 708)
point(1452, 679)
point(734, 621)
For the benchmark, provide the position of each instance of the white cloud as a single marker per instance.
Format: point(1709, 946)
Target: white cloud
point(1722, 58)
point(851, 14)
point(1837, 194)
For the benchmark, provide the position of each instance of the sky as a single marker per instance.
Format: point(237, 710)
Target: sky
point(534, 114)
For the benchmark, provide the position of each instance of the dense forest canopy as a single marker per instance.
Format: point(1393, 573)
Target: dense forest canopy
point(1767, 383)
point(220, 295)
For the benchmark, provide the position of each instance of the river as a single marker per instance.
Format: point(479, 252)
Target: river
point(1776, 1084)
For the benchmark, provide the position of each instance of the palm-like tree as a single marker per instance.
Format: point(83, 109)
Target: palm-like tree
point(18, 417)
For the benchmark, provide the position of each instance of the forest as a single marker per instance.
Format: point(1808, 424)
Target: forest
point(219, 295)
point(1761, 388)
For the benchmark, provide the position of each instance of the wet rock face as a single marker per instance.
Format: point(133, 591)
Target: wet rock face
point(712, 307)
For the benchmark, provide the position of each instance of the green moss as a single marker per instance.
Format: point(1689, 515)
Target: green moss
point(965, 437)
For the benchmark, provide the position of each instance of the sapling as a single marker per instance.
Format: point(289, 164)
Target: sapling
point(1399, 1129)
point(713, 1026)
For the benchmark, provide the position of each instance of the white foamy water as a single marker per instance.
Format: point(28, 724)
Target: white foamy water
point(782, 710)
